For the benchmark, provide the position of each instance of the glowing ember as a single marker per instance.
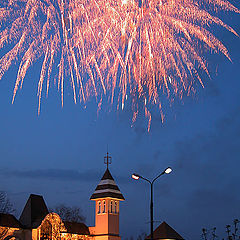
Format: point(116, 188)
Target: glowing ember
point(144, 48)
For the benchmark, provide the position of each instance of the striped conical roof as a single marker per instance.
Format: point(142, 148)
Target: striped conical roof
point(107, 188)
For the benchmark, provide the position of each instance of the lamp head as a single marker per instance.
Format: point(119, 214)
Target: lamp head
point(168, 170)
point(135, 176)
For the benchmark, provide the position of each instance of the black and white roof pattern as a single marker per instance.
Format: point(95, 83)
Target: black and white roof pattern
point(107, 188)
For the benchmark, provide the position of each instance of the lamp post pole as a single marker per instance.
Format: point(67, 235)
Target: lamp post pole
point(151, 210)
point(136, 177)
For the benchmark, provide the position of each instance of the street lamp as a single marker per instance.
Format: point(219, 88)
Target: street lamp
point(136, 177)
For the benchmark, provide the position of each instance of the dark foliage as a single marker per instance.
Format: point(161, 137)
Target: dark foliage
point(71, 214)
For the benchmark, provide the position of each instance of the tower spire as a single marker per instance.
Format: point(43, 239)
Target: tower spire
point(107, 159)
point(107, 197)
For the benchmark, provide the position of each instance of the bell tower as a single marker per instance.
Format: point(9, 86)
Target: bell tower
point(107, 197)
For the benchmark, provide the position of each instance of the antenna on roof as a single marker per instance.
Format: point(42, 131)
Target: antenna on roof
point(107, 159)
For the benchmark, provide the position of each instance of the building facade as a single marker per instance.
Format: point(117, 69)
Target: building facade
point(37, 223)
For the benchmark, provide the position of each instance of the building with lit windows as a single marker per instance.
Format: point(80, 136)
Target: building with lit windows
point(36, 223)
point(107, 197)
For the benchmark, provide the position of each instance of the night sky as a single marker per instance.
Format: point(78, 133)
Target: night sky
point(59, 154)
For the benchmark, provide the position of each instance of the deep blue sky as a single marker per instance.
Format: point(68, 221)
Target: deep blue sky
point(59, 154)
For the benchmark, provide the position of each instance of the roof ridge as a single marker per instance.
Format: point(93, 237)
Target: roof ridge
point(165, 231)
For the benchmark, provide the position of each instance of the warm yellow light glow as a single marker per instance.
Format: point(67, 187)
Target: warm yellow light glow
point(134, 176)
point(168, 170)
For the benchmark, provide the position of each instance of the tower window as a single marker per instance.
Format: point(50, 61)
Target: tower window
point(111, 207)
point(99, 207)
point(116, 209)
point(104, 206)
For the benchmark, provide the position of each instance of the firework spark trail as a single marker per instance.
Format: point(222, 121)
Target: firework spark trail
point(160, 52)
point(142, 48)
point(43, 29)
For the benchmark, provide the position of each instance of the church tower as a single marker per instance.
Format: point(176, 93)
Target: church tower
point(107, 197)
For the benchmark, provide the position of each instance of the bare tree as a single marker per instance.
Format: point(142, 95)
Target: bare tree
point(142, 236)
point(5, 207)
point(71, 214)
point(231, 234)
point(235, 222)
point(204, 233)
point(5, 204)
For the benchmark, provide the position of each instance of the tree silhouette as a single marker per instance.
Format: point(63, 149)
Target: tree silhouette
point(70, 214)
point(231, 234)
point(5, 204)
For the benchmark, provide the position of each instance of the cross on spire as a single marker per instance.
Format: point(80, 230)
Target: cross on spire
point(107, 160)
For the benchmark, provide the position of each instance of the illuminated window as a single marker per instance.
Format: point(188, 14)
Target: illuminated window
point(111, 207)
point(116, 207)
point(104, 206)
point(99, 207)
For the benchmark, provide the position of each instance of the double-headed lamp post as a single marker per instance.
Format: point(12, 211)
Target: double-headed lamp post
point(136, 177)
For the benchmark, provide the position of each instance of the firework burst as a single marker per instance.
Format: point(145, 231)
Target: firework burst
point(143, 48)
point(159, 47)
point(58, 32)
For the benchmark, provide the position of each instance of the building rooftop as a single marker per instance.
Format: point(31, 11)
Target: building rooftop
point(107, 188)
point(8, 220)
point(76, 228)
point(34, 212)
point(164, 231)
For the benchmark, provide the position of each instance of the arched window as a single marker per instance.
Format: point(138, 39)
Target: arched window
point(104, 206)
point(111, 207)
point(116, 208)
point(99, 207)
